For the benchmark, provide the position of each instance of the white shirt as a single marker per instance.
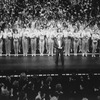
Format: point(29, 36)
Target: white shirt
point(59, 43)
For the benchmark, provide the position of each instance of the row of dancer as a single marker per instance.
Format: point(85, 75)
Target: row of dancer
point(76, 39)
point(22, 38)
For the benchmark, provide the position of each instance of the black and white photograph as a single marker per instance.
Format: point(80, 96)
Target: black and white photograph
point(49, 49)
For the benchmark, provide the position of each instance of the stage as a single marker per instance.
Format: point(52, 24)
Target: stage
point(44, 64)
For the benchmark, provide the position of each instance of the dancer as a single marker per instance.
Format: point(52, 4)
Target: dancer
point(1, 41)
point(85, 40)
point(33, 37)
point(41, 42)
point(95, 38)
point(50, 41)
point(24, 41)
point(76, 41)
point(67, 36)
point(15, 42)
point(7, 37)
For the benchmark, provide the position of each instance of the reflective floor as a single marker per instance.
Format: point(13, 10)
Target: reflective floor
point(46, 64)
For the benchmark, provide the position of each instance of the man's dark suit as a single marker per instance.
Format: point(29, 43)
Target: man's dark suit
point(59, 50)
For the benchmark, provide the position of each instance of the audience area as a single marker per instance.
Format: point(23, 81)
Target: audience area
point(57, 87)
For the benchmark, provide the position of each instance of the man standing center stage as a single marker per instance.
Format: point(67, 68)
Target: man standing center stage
point(59, 45)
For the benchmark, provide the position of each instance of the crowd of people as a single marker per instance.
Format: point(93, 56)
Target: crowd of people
point(29, 26)
point(70, 87)
point(32, 88)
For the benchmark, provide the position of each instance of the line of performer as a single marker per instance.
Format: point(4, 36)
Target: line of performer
point(29, 37)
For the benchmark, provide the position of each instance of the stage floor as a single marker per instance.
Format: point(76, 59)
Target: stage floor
point(45, 64)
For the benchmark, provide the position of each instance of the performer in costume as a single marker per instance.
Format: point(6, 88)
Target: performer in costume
point(9, 39)
point(99, 40)
point(33, 37)
point(68, 36)
point(7, 36)
point(46, 39)
point(27, 32)
point(95, 38)
point(15, 41)
point(24, 41)
point(41, 42)
point(85, 39)
point(71, 31)
point(4, 37)
point(20, 38)
point(80, 40)
point(55, 33)
point(99, 43)
point(50, 41)
point(76, 36)
point(1, 41)
point(59, 45)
